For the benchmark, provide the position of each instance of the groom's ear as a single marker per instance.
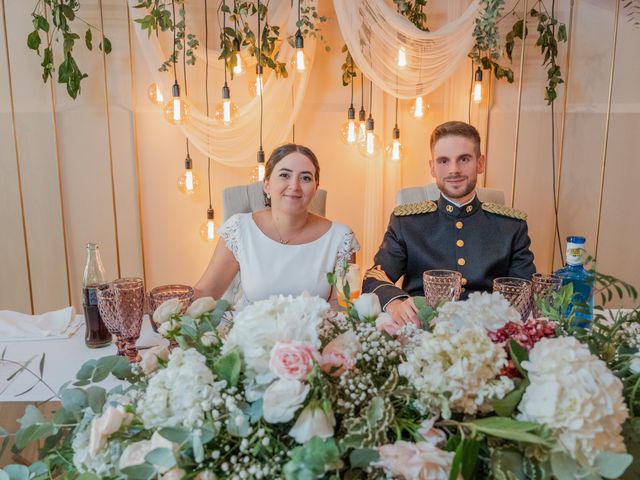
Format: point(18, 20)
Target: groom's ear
point(431, 169)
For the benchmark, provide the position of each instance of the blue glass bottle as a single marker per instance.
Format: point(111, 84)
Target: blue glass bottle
point(582, 280)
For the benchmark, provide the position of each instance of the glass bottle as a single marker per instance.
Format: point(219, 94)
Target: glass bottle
point(582, 280)
point(96, 335)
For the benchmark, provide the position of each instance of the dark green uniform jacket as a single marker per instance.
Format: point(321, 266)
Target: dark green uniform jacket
point(482, 241)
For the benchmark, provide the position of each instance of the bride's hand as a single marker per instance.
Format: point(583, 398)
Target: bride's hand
point(403, 312)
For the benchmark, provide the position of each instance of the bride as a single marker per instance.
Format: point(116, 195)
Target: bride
point(283, 249)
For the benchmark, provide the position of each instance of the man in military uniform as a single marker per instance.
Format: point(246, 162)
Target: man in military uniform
point(482, 241)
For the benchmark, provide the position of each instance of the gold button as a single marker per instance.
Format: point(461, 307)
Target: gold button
point(459, 224)
point(461, 261)
point(469, 208)
point(449, 208)
point(464, 281)
point(460, 243)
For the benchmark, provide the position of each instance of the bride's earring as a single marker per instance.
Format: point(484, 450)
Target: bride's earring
point(267, 199)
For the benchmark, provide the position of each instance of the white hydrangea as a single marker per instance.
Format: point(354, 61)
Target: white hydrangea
point(489, 310)
point(577, 396)
point(456, 369)
point(179, 395)
point(104, 462)
point(259, 326)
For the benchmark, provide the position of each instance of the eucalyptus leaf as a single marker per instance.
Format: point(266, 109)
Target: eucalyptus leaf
point(74, 399)
point(96, 396)
point(139, 472)
point(17, 472)
point(363, 457)
point(507, 405)
point(563, 466)
point(161, 457)
point(175, 434)
point(510, 429)
point(611, 464)
point(4, 475)
point(228, 367)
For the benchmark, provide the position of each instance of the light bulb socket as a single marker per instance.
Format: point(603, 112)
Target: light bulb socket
point(261, 156)
point(370, 123)
point(362, 114)
point(299, 39)
point(258, 69)
point(396, 133)
point(188, 163)
point(478, 76)
point(175, 90)
point(209, 213)
point(351, 113)
point(226, 93)
point(236, 45)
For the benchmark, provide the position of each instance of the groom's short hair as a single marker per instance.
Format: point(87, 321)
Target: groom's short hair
point(457, 129)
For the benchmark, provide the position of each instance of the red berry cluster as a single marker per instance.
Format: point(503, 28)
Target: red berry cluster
point(527, 335)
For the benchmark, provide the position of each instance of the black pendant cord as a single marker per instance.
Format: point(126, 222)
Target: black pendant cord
point(175, 73)
point(396, 113)
point(351, 103)
point(261, 79)
point(370, 98)
point(184, 71)
point(206, 87)
point(361, 91)
point(224, 36)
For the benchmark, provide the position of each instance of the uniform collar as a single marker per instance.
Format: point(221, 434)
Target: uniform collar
point(449, 208)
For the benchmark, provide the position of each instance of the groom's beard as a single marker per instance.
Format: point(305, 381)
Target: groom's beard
point(459, 192)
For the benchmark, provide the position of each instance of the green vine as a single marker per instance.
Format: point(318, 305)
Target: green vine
point(414, 12)
point(63, 14)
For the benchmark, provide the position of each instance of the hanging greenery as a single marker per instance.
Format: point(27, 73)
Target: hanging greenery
point(414, 11)
point(64, 17)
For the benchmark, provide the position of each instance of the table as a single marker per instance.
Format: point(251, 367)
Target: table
point(63, 358)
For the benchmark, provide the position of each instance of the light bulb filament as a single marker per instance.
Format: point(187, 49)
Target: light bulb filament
point(189, 180)
point(259, 85)
point(370, 143)
point(477, 92)
point(260, 171)
point(237, 69)
point(300, 65)
point(210, 230)
point(176, 109)
point(418, 111)
point(226, 111)
point(395, 150)
point(159, 97)
point(402, 57)
point(351, 132)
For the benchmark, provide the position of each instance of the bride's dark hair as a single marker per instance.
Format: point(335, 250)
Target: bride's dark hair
point(281, 152)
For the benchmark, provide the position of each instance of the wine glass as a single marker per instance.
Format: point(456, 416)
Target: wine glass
point(518, 292)
point(542, 285)
point(129, 296)
point(159, 295)
point(109, 314)
point(441, 285)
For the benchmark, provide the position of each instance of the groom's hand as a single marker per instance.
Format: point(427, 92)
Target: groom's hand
point(403, 312)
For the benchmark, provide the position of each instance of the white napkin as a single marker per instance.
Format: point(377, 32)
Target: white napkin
point(20, 327)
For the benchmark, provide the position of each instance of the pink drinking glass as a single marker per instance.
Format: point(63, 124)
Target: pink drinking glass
point(129, 296)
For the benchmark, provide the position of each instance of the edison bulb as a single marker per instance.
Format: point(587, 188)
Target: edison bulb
point(477, 91)
point(395, 150)
point(188, 182)
point(155, 94)
point(418, 109)
point(256, 86)
point(257, 174)
point(208, 228)
point(402, 57)
point(349, 132)
point(225, 110)
point(370, 145)
point(176, 111)
point(300, 61)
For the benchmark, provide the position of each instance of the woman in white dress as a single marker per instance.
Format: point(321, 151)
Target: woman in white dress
point(284, 249)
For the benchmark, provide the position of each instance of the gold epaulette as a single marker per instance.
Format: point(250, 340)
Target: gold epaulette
point(377, 273)
point(504, 211)
point(415, 208)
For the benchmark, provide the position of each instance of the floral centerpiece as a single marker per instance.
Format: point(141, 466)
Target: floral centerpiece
point(286, 388)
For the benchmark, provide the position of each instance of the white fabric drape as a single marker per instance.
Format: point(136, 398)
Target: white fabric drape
point(237, 144)
point(374, 33)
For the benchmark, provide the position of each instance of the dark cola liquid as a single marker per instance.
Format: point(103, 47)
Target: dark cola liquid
point(96, 333)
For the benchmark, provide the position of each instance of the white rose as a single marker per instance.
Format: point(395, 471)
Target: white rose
point(367, 305)
point(201, 306)
point(209, 338)
point(104, 425)
point(165, 310)
point(136, 452)
point(634, 366)
point(282, 399)
point(173, 474)
point(149, 361)
point(313, 422)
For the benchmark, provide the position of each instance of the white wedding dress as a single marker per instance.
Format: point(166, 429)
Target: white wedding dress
point(268, 267)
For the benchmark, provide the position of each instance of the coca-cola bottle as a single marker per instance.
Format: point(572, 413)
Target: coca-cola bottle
point(96, 335)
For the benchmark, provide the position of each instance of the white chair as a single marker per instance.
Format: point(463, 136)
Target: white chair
point(250, 198)
point(431, 192)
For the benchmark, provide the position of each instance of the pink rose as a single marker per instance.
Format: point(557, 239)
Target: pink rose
point(415, 461)
point(384, 323)
point(431, 435)
point(293, 360)
point(340, 354)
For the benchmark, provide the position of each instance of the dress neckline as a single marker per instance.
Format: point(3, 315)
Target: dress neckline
point(255, 225)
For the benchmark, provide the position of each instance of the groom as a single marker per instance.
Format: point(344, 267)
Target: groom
point(482, 241)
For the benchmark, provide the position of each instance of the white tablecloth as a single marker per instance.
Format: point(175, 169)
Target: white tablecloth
point(63, 359)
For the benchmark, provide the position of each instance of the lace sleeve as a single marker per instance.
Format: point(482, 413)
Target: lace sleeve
point(348, 247)
point(230, 232)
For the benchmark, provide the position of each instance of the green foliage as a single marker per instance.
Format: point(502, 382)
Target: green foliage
point(313, 459)
point(228, 367)
point(64, 15)
point(414, 12)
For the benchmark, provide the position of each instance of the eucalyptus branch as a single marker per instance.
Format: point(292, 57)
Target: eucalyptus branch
point(25, 368)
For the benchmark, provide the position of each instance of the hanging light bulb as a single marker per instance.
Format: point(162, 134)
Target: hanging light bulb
point(349, 130)
point(477, 86)
point(395, 149)
point(188, 182)
point(226, 110)
point(419, 110)
point(256, 86)
point(176, 110)
point(300, 60)
point(402, 57)
point(260, 164)
point(208, 228)
point(155, 94)
point(240, 66)
point(370, 144)
point(362, 124)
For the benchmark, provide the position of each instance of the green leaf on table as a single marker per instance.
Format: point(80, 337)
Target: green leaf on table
point(41, 366)
point(507, 405)
point(96, 396)
point(16, 472)
point(22, 368)
point(228, 367)
point(518, 354)
point(363, 457)
point(104, 367)
point(611, 464)
point(122, 369)
point(86, 370)
point(510, 429)
point(73, 399)
point(161, 457)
